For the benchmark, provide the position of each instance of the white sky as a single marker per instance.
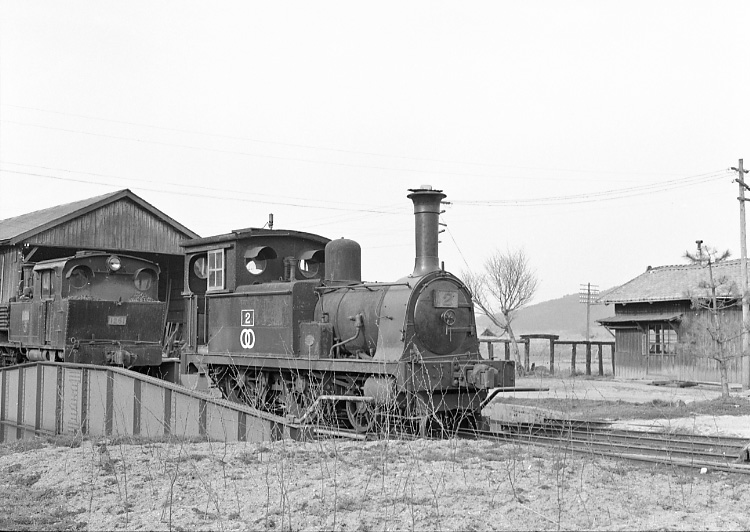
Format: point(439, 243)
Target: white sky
point(595, 135)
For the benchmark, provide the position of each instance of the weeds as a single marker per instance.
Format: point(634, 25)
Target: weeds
point(176, 483)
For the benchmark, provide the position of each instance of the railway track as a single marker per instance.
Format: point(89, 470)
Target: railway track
point(684, 450)
point(718, 453)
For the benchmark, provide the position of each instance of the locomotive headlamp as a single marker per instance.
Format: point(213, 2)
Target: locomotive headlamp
point(449, 317)
point(113, 263)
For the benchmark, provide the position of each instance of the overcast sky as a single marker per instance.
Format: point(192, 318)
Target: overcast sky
point(595, 135)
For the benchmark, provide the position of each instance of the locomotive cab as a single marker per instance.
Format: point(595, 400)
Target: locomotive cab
point(249, 261)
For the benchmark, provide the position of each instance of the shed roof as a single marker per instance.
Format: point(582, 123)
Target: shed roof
point(639, 318)
point(679, 282)
point(20, 228)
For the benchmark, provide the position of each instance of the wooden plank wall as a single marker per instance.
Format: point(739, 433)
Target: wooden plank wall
point(122, 225)
point(686, 364)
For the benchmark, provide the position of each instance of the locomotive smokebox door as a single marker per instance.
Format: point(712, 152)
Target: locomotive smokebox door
point(315, 339)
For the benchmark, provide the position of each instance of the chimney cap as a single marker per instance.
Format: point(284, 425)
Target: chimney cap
point(424, 188)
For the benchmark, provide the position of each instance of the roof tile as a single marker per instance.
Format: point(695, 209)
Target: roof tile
point(679, 282)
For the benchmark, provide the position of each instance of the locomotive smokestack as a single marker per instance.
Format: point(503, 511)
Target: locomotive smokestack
point(426, 215)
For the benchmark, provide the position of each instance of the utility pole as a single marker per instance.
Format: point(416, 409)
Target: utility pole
point(743, 271)
point(585, 294)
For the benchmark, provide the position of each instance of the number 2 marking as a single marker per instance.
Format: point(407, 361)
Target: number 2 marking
point(247, 318)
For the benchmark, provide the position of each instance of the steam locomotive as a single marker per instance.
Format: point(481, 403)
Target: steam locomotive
point(91, 308)
point(282, 321)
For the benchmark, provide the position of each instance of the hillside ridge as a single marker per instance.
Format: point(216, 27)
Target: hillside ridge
point(564, 316)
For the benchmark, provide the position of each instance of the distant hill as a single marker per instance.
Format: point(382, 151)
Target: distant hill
point(565, 317)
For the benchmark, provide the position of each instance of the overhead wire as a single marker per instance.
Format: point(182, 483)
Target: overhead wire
point(322, 148)
point(606, 195)
point(196, 195)
point(257, 155)
point(177, 184)
point(391, 208)
point(306, 160)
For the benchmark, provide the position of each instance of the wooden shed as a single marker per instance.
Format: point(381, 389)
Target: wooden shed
point(118, 222)
point(659, 333)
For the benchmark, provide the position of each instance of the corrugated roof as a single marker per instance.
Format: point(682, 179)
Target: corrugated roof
point(680, 282)
point(13, 230)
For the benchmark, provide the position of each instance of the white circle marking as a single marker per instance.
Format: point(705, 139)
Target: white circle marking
point(247, 338)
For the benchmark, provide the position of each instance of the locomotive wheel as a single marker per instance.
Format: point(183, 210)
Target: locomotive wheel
point(362, 415)
point(431, 425)
point(463, 420)
point(446, 424)
point(296, 403)
point(233, 389)
point(239, 389)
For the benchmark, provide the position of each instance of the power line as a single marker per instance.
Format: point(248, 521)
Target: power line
point(301, 159)
point(531, 202)
point(258, 155)
point(180, 184)
point(321, 148)
point(196, 195)
point(607, 195)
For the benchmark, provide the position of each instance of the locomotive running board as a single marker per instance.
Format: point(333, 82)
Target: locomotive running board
point(48, 398)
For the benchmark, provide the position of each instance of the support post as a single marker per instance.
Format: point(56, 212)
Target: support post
point(613, 359)
point(551, 356)
point(573, 360)
point(588, 312)
point(588, 358)
point(601, 361)
point(526, 353)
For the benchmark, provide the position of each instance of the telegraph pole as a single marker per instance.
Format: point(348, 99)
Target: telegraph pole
point(743, 271)
point(586, 293)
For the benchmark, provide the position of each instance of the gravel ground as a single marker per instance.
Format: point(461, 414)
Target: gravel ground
point(618, 391)
point(335, 485)
point(611, 389)
point(389, 485)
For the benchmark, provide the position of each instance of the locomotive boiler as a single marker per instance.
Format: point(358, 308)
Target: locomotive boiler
point(92, 308)
point(282, 321)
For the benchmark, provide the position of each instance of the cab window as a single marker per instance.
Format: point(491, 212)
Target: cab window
point(216, 269)
point(80, 277)
point(144, 279)
point(47, 279)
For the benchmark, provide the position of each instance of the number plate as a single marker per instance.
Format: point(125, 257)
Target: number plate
point(117, 320)
point(446, 299)
point(247, 318)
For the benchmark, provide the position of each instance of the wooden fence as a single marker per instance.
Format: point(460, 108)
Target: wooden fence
point(587, 348)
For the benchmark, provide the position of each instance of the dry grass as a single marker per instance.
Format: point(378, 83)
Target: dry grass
point(341, 485)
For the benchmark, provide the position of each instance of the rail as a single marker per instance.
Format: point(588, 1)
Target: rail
point(685, 450)
point(48, 398)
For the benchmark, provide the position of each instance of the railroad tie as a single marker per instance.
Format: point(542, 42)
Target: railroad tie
point(744, 454)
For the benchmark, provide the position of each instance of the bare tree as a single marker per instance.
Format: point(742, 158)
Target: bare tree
point(716, 294)
point(506, 284)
